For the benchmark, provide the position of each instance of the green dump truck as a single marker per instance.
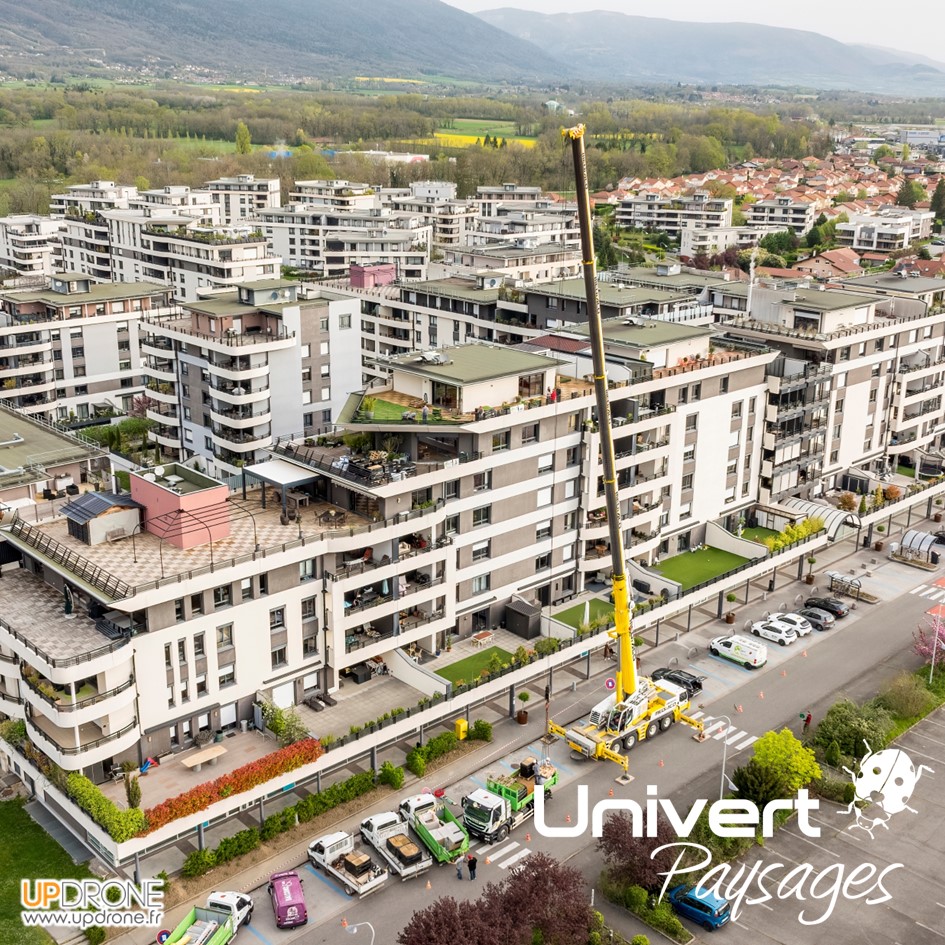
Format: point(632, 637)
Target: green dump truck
point(508, 799)
point(204, 927)
point(437, 827)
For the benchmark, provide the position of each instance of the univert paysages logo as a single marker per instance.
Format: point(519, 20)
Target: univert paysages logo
point(82, 903)
point(886, 779)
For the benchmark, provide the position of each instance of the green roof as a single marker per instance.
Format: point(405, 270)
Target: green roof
point(469, 364)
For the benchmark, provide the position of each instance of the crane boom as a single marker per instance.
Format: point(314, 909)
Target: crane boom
point(626, 677)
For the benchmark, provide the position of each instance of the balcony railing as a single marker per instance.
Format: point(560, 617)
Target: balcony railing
point(56, 701)
point(86, 746)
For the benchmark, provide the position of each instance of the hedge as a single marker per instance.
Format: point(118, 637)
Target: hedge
point(481, 731)
point(199, 862)
point(235, 782)
point(637, 900)
point(418, 758)
point(119, 824)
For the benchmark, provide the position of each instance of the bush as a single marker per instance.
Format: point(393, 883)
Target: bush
point(278, 823)
point(120, 825)
point(439, 745)
point(416, 762)
point(391, 774)
point(832, 755)
point(852, 726)
point(95, 935)
point(906, 696)
point(546, 646)
point(481, 731)
point(198, 862)
point(13, 732)
point(231, 847)
point(635, 898)
point(834, 789)
point(639, 940)
point(593, 938)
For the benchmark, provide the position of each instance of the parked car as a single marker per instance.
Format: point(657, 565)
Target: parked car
point(939, 536)
point(701, 906)
point(691, 683)
point(742, 650)
point(795, 622)
point(817, 618)
point(776, 634)
point(833, 606)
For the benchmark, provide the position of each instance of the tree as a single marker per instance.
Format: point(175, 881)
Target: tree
point(847, 501)
point(909, 194)
point(924, 642)
point(629, 857)
point(243, 139)
point(938, 199)
point(140, 406)
point(924, 253)
point(446, 920)
point(755, 782)
point(783, 754)
point(132, 790)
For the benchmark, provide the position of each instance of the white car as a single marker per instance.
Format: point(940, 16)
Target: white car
point(770, 631)
point(800, 625)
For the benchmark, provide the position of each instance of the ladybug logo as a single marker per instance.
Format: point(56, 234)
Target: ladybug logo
point(886, 779)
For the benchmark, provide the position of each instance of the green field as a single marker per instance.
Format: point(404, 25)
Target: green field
point(480, 127)
point(697, 567)
point(573, 616)
point(27, 852)
point(469, 668)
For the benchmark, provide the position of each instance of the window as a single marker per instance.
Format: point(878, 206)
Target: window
point(751, 405)
point(167, 655)
point(683, 395)
point(344, 321)
point(570, 521)
point(308, 608)
point(736, 410)
point(732, 468)
point(530, 433)
point(309, 645)
point(307, 570)
point(691, 422)
point(573, 456)
point(185, 691)
point(544, 496)
point(201, 685)
point(323, 324)
point(570, 489)
point(546, 462)
point(306, 374)
point(687, 481)
point(181, 651)
point(689, 453)
point(543, 531)
point(221, 596)
point(482, 481)
point(543, 562)
point(450, 490)
point(481, 550)
point(246, 588)
point(723, 385)
point(745, 487)
point(277, 618)
point(500, 441)
point(482, 516)
point(78, 352)
point(481, 583)
point(695, 392)
point(170, 699)
point(279, 656)
point(179, 610)
point(199, 645)
point(875, 372)
point(834, 456)
point(839, 405)
point(263, 583)
point(196, 604)
point(452, 525)
point(224, 636)
point(227, 676)
point(685, 511)
point(325, 370)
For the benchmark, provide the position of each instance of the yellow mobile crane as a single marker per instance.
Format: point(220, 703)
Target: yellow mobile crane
point(638, 708)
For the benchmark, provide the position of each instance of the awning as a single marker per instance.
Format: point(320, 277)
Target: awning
point(834, 518)
point(919, 543)
point(280, 472)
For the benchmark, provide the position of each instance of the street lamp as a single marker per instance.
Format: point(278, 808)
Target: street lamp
point(353, 929)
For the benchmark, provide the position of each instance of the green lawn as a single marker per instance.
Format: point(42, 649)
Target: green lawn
point(758, 534)
point(470, 667)
point(574, 615)
point(27, 852)
point(386, 412)
point(696, 567)
point(908, 471)
point(481, 127)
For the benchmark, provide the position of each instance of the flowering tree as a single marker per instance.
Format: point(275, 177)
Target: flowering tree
point(924, 641)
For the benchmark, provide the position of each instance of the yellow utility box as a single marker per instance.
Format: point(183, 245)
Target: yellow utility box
point(462, 729)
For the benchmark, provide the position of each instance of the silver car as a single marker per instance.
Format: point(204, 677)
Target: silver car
point(800, 625)
point(769, 631)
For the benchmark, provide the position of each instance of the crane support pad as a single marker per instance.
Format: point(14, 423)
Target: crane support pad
point(688, 720)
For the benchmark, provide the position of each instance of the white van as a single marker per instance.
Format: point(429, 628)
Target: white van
point(742, 650)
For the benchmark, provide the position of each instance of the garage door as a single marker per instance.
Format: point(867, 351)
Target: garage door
point(283, 696)
point(310, 681)
point(228, 715)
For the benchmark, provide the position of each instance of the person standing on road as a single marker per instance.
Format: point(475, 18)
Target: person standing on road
point(807, 722)
point(459, 867)
point(471, 863)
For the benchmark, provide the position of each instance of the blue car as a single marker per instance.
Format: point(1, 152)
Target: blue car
point(701, 906)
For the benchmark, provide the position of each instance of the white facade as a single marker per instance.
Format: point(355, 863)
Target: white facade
point(891, 229)
point(30, 245)
point(785, 213)
point(669, 214)
point(242, 197)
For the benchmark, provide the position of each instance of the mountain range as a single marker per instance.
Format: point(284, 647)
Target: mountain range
point(332, 39)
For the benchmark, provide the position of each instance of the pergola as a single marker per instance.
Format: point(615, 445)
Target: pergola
point(280, 473)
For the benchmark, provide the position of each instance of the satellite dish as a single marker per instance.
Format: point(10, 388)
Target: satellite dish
point(159, 472)
point(150, 477)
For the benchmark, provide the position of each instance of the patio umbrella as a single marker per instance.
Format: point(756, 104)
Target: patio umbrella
point(68, 601)
point(385, 588)
point(587, 612)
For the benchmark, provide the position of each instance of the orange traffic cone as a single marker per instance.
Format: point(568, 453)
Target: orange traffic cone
point(344, 923)
point(429, 884)
point(488, 861)
point(804, 653)
point(761, 695)
point(528, 838)
point(611, 793)
point(784, 672)
point(738, 708)
point(661, 762)
point(567, 819)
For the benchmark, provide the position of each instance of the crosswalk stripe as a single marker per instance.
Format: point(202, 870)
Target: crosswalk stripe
point(748, 741)
point(928, 591)
point(496, 854)
point(916, 590)
point(518, 856)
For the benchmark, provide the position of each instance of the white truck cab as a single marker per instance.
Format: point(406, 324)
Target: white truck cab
point(239, 905)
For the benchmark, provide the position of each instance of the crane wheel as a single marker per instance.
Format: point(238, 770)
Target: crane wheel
point(652, 729)
point(665, 722)
point(629, 741)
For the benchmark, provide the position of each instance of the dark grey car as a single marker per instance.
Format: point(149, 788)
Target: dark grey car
point(818, 619)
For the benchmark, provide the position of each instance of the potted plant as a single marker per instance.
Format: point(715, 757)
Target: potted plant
point(522, 716)
point(731, 597)
point(937, 517)
point(878, 546)
point(811, 560)
point(367, 407)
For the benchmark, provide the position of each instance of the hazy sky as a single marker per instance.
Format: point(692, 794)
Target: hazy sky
point(919, 28)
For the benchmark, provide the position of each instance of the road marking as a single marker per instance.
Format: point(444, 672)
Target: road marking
point(505, 851)
point(518, 856)
point(941, 905)
point(927, 929)
point(915, 751)
point(262, 938)
point(799, 836)
point(331, 885)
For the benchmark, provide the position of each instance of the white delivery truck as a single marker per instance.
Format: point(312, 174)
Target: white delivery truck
point(335, 854)
point(742, 650)
point(387, 834)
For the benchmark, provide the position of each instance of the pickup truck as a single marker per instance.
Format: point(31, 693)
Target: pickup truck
point(437, 827)
point(335, 854)
point(205, 927)
point(387, 833)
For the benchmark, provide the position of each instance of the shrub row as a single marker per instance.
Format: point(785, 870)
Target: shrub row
point(658, 915)
point(235, 782)
point(201, 861)
point(119, 824)
point(436, 747)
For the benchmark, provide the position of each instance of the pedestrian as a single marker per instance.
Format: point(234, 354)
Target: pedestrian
point(459, 868)
point(471, 862)
point(807, 722)
point(424, 412)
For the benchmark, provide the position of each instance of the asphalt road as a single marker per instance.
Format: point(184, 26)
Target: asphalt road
point(854, 659)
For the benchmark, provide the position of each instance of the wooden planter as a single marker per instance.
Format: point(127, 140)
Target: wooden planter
point(730, 618)
point(878, 546)
point(809, 579)
point(522, 717)
point(937, 517)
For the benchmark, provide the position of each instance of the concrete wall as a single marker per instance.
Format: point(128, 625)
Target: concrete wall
point(718, 537)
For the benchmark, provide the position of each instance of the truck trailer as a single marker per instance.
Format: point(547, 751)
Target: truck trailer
point(436, 826)
point(335, 854)
point(387, 834)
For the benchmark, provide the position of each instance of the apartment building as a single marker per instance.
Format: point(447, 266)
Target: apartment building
point(491, 197)
point(784, 213)
point(178, 199)
point(670, 214)
point(30, 245)
point(243, 197)
point(889, 230)
point(238, 370)
point(859, 384)
point(521, 261)
point(329, 242)
point(695, 240)
point(435, 202)
point(70, 349)
point(556, 223)
point(338, 195)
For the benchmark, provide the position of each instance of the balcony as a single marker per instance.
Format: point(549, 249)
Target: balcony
point(162, 392)
point(160, 370)
point(241, 441)
point(240, 418)
point(168, 440)
point(274, 338)
point(236, 395)
point(67, 707)
point(23, 345)
point(72, 750)
point(168, 417)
